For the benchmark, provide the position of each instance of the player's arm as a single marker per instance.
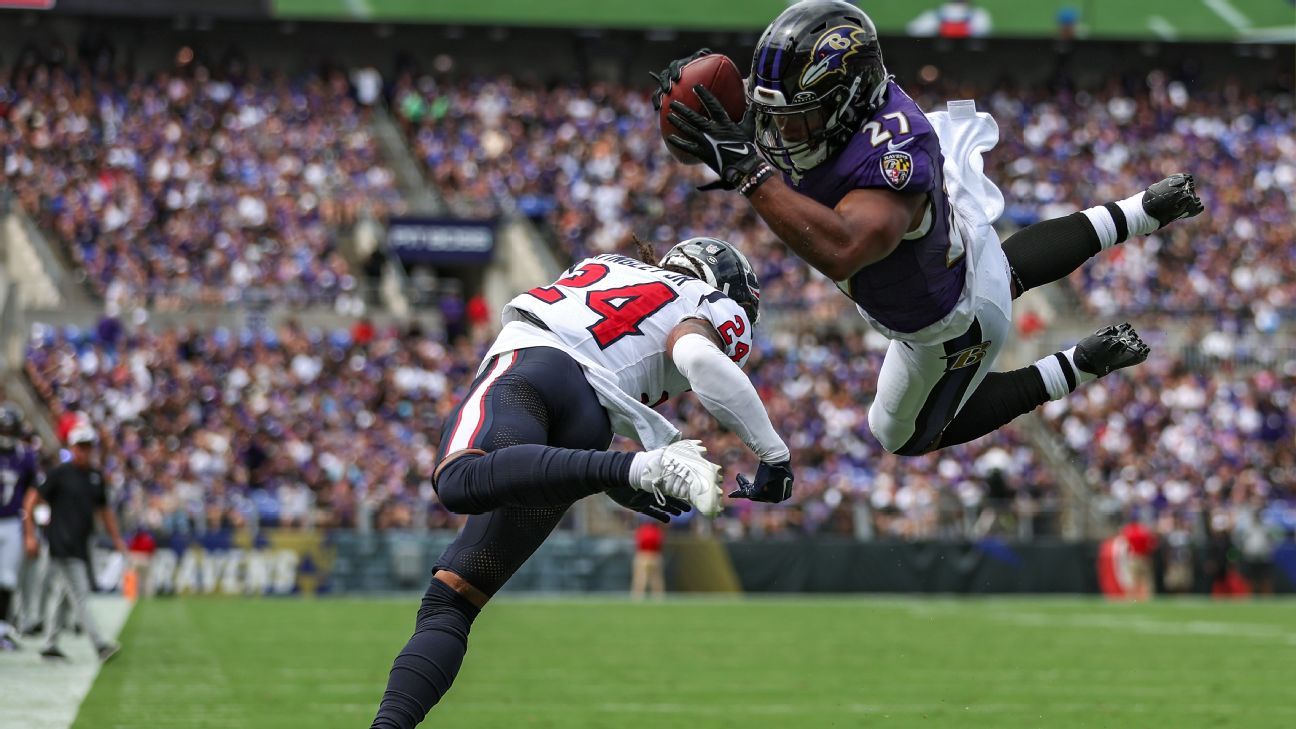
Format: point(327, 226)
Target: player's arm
point(865, 227)
point(30, 541)
point(695, 348)
point(110, 526)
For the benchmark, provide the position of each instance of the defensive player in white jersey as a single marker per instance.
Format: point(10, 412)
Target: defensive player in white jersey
point(576, 362)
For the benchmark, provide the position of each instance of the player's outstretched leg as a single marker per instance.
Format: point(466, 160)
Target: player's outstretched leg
point(538, 475)
point(472, 569)
point(532, 432)
point(1003, 396)
point(1050, 250)
point(424, 670)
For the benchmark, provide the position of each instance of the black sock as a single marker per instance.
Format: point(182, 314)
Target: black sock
point(529, 475)
point(1000, 398)
point(6, 595)
point(1050, 250)
point(422, 673)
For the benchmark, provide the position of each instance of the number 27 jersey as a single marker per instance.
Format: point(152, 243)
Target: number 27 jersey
point(617, 312)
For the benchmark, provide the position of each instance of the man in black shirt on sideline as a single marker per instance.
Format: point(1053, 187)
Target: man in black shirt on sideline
point(75, 492)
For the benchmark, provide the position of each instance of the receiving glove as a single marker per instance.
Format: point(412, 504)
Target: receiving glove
point(722, 144)
point(646, 503)
point(773, 484)
point(671, 75)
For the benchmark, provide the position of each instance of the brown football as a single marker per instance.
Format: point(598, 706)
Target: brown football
point(720, 76)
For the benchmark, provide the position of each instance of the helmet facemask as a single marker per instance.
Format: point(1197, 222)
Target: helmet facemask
point(799, 137)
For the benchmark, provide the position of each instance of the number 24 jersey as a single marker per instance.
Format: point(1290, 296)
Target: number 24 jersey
point(618, 312)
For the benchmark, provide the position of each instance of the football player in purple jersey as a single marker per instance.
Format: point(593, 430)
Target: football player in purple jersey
point(892, 204)
point(17, 474)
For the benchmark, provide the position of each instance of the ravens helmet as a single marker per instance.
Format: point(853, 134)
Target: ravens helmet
point(11, 427)
point(817, 74)
point(721, 265)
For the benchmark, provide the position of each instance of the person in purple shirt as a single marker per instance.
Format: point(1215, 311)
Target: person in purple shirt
point(17, 474)
point(893, 206)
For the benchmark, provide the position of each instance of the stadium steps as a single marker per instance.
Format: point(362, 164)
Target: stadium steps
point(1080, 517)
point(422, 197)
point(522, 258)
point(40, 275)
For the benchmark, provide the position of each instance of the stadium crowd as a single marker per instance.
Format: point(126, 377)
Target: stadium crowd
point(206, 185)
point(588, 160)
point(1171, 442)
point(196, 185)
point(207, 430)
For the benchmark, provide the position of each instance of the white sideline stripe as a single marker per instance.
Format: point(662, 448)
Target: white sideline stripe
point(1228, 13)
point(471, 416)
point(359, 8)
point(1276, 34)
point(41, 694)
point(730, 709)
point(1152, 626)
point(1162, 27)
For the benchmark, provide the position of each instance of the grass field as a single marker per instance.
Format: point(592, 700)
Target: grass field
point(756, 663)
point(1168, 19)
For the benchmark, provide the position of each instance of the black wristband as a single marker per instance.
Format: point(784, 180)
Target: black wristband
point(758, 176)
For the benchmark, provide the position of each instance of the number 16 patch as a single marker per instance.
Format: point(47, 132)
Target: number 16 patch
point(897, 168)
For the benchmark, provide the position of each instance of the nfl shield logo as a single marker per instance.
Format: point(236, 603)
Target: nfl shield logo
point(897, 168)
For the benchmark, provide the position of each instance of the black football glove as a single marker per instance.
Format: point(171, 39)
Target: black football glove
point(773, 484)
point(647, 504)
point(671, 75)
point(721, 143)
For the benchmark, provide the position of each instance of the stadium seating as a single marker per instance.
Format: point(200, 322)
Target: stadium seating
point(214, 427)
point(589, 162)
point(292, 426)
point(194, 186)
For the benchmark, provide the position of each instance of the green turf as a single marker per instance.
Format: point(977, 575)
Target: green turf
point(1183, 19)
point(998, 663)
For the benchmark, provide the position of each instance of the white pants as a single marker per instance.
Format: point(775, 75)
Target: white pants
point(927, 376)
point(11, 552)
point(71, 577)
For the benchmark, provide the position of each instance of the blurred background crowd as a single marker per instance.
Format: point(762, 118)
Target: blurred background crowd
point(220, 183)
point(588, 163)
point(178, 188)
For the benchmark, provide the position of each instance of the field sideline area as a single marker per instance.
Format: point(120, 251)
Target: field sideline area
point(211, 662)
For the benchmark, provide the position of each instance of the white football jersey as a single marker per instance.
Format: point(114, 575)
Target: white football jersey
point(617, 312)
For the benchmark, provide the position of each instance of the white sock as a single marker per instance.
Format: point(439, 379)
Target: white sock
point(1104, 225)
point(1055, 377)
point(1139, 222)
point(638, 465)
point(1061, 375)
point(1116, 222)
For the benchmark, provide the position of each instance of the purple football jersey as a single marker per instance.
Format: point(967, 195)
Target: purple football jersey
point(922, 279)
point(17, 474)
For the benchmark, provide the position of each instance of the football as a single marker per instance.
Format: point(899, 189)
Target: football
point(720, 76)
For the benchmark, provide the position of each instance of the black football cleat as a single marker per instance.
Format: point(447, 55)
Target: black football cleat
point(1173, 198)
point(107, 650)
point(53, 653)
point(1110, 348)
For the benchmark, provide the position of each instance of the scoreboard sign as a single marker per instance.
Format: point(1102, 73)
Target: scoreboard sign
point(27, 4)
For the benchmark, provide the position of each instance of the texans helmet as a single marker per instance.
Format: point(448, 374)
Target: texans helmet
point(817, 74)
point(721, 265)
point(11, 427)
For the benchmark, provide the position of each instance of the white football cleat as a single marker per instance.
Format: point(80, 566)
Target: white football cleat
point(681, 471)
